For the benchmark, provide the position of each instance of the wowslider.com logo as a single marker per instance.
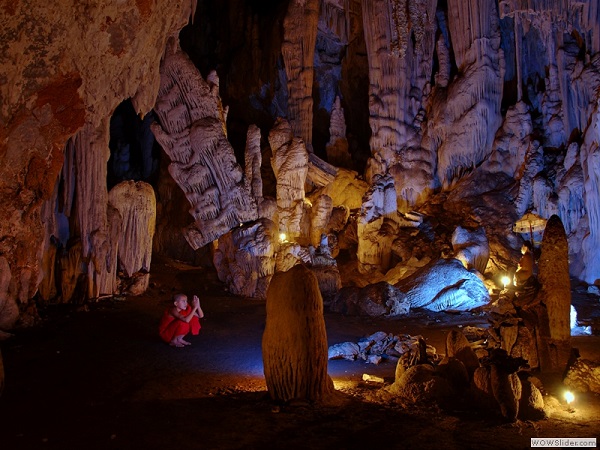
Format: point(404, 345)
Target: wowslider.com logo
point(563, 442)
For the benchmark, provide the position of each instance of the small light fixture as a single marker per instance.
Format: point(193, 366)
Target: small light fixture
point(569, 397)
point(282, 237)
point(505, 281)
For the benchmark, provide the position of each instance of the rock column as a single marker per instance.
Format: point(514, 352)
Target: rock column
point(554, 340)
point(294, 344)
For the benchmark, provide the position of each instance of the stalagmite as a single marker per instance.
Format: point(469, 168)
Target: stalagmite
point(91, 154)
point(244, 258)
point(290, 165)
point(321, 213)
point(337, 148)
point(136, 204)
point(554, 336)
point(325, 268)
point(294, 343)
point(376, 226)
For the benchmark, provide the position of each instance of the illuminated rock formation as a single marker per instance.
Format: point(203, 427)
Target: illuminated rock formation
point(554, 336)
point(454, 119)
point(346, 189)
point(245, 258)
point(290, 165)
point(445, 285)
point(136, 204)
point(471, 248)
point(294, 343)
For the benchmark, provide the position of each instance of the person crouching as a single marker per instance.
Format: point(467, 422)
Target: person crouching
point(179, 320)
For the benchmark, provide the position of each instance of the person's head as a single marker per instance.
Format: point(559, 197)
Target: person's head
point(526, 247)
point(180, 300)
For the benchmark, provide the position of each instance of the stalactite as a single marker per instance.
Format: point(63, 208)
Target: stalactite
point(590, 161)
point(253, 159)
point(298, 47)
point(334, 15)
point(399, 75)
point(91, 155)
point(465, 119)
point(192, 132)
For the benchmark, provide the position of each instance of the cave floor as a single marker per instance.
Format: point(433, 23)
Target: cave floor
point(98, 377)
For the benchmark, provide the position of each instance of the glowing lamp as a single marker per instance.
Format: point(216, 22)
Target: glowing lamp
point(282, 237)
point(569, 397)
point(505, 281)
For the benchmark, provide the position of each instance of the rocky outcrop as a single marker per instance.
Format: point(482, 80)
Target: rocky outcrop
point(376, 300)
point(445, 285)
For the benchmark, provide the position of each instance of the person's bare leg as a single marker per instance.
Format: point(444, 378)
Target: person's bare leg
point(184, 342)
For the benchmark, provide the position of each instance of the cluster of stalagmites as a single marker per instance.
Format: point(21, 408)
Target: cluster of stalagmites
point(529, 332)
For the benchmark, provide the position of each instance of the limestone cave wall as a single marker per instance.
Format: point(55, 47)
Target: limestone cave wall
point(66, 66)
point(446, 101)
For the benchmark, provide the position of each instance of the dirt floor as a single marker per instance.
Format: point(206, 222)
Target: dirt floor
point(99, 378)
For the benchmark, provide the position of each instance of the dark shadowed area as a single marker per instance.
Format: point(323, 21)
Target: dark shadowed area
point(100, 378)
